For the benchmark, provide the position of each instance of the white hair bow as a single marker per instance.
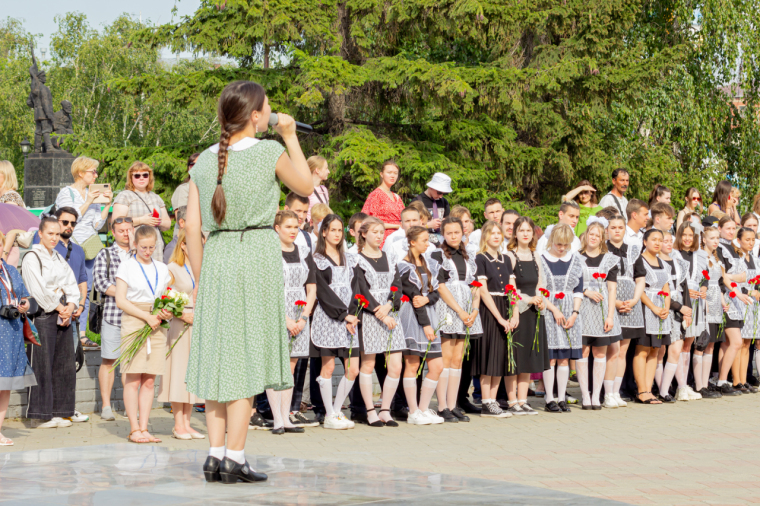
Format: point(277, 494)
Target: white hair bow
point(698, 228)
point(597, 219)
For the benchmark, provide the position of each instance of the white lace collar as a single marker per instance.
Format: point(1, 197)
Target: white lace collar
point(241, 145)
point(551, 258)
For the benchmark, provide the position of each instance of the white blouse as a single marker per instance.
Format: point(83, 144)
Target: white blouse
point(144, 282)
point(53, 280)
point(87, 225)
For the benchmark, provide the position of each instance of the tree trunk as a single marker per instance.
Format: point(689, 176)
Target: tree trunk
point(531, 192)
point(266, 56)
point(349, 51)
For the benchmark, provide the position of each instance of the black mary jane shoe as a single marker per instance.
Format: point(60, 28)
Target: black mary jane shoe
point(667, 398)
point(563, 406)
point(740, 387)
point(278, 431)
point(389, 423)
point(211, 469)
point(294, 430)
point(586, 407)
point(460, 415)
point(596, 407)
point(232, 472)
point(552, 407)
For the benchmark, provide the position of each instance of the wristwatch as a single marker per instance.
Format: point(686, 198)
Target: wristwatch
point(305, 318)
point(575, 311)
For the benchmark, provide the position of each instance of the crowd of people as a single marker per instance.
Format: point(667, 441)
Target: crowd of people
point(623, 296)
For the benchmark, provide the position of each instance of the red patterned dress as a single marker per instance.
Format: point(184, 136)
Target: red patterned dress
point(380, 205)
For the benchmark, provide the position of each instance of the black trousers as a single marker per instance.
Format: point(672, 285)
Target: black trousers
point(299, 378)
point(464, 382)
point(315, 367)
point(54, 368)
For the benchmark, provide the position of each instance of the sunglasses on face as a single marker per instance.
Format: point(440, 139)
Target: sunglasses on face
point(66, 223)
point(698, 199)
point(146, 175)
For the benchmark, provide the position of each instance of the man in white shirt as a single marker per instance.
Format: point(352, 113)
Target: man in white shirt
point(616, 197)
point(354, 224)
point(662, 216)
point(569, 213)
point(637, 213)
point(410, 217)
point(300, 206)
point(508, 219)
point(493, 211)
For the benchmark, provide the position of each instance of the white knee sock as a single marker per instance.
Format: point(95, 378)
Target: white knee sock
point(683, 369)
point(706, 369)
point(344, 387)
point(696, 364)
point(581, 366)
point(667, 377)
point(441, 389)
point(616, 385)
point(217, 452)
point(455, 376)
point(365, 385)
point(600, 366)
point(410, 391)
point(563, 374)
point(389, 390)
point(237, 456)
point(325, 388)
point(609, 387)
point(286, 396)
point(426, 393)
point(658, 375)
point(274, 403)
point(549, 384)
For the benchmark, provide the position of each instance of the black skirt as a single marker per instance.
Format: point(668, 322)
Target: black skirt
point(317, 352)
point(489, 353)
point(600, 341)
point(714, 336)
point(633, 333)
point(651, 340)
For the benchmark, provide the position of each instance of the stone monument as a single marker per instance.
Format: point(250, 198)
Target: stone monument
point(48, 168)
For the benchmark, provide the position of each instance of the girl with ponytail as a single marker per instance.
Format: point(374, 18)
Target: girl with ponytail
point(240, 339)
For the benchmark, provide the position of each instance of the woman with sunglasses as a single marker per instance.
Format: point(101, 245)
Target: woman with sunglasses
point(139, 202)
point(585, 195)
point(693, 206)
point(90, 219)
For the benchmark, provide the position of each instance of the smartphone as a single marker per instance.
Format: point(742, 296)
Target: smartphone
point(102, 188)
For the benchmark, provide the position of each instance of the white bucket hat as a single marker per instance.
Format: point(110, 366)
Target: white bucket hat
point(440, 182)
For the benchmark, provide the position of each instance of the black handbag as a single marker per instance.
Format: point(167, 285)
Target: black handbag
point(97, 303)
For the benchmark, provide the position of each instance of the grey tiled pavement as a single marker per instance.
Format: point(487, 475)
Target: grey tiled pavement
point(700, 452)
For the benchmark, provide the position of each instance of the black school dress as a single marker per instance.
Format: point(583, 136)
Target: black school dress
point(528, 359)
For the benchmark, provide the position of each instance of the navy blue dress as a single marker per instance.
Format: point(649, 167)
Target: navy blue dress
point(15, 372)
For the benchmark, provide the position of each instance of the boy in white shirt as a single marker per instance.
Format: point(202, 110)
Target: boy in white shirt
point(569, 212)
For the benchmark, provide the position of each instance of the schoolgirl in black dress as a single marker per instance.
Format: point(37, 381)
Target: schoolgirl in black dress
point(419, 282)
point(491, 355)
point(376, 277)
point(333, 332)
point(457, 271)
point(656, 300)
point(746, 239)
point(531, 346)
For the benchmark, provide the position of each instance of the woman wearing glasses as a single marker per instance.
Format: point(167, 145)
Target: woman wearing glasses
point(142, 205)
point(585, 195)
point(90, 219)
point(693, 206)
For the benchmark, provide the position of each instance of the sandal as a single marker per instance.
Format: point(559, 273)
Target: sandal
point(6, 441)
point(141, 440)
point(152, 439)
point(89, 344)
point(653, 400)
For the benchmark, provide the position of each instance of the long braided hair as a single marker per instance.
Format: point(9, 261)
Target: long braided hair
point(236, 104)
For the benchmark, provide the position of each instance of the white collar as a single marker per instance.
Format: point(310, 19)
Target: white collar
point(632, 232)
point(552, 258)
point(242, 144)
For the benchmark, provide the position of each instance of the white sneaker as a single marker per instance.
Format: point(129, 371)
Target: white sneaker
point(609, 401)
point(417, 418)
point(620, 402)
point(682, 394)
point(334, 422)
point(345, 420)
point(693, 396)
point(570, 399)
point(53, 423)
point(433, 417)
point(78, 417)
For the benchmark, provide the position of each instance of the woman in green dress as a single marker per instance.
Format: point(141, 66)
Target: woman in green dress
point(240, 340)
point(585, 195)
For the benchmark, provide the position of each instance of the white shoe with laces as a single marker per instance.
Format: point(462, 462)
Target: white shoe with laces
point(346, 420)
point(417, 418)
point(693, 396)
point(620, 402)
point(334, 422)
point(78, 417)
point(609, 401)
point(682, 394)
point(433, 417)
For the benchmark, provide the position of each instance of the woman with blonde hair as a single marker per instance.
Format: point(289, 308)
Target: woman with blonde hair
point(9, 185)
point(139, 202)
point(173, 388)
point(319, 173)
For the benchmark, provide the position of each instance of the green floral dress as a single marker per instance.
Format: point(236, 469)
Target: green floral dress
point(240, 341)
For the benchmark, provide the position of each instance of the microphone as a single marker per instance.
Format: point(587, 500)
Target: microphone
point(300, 127)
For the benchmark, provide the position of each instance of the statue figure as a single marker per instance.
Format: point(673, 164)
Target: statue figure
point(41, 100)
point(62, 123)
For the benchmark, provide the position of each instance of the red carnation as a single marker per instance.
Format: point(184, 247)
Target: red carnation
point(476, 284)
point(509, 288)
point(300, 303)
point(559, 295)
point(404, 298)
point(706, 275)
point(662, 293)
point(155, 213)
point(733, 285)
point(603, 276)
point(732, 294)
point(544, 292)
point(596, 275)
point(362, 300)
point(394, 289)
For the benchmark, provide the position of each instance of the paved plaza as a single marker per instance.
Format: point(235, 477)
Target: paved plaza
point(700, 452)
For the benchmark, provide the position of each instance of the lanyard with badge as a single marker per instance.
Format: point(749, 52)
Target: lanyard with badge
point(152, 289)
point(5, 279)
point(191, 276)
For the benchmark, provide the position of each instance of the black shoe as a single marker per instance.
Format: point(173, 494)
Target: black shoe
point(709, 394)
point(727, 389)
point(259, 423)
point(595, 407)
point(552, 407)
point(389, 423)
point(531, 393)
point(459, 413)
point(467, 407)
point(753, 381)
point(626, 398)
point(574, 377)
point(320, 418)
point(299, 420)
point(666, 398)
point(211, 469)
point(278, 431)
point(563, 406)
point(752, 389)
point(232, 472)
point(400, 415)
point(713, 387)
point(504, 405)
point(740, 387)
point(359, 418)
point(448, 416)
point(294, 430)
point(586, 407)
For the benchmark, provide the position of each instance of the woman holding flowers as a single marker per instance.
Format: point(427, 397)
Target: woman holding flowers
point(376, 279)
point(334, 327)
point(746, 239)
point(173, 388)
point(656, 300)
point(139, 281)
point(300, 274)
point(601, 325)
point(419, 283)
point(493, 354)
point(457, 271)
point(564, 281)
point(532, 348)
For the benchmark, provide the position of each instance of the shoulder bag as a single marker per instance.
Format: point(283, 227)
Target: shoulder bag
point(97, 302)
